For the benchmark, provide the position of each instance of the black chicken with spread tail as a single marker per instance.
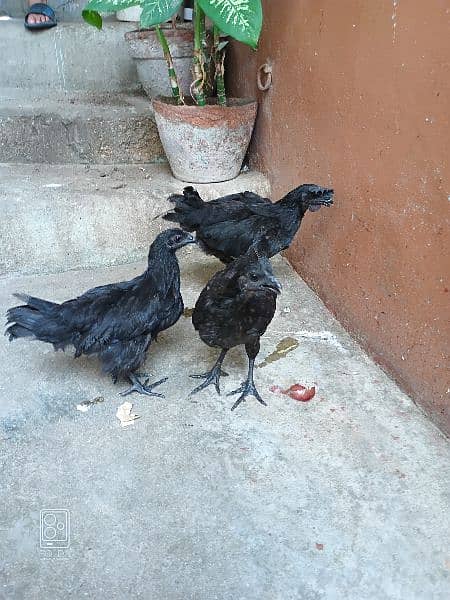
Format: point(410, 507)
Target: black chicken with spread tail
point(235, 308)
point(227, 227)
point(116, 322)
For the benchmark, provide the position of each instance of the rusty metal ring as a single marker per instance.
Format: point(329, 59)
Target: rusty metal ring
point(264, 70)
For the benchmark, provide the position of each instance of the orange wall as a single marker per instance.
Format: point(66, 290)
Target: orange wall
point(360, 102)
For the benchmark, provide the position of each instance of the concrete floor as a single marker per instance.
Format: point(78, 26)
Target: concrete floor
point(343, 497)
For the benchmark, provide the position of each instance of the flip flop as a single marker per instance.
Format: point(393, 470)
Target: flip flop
point(41, 9)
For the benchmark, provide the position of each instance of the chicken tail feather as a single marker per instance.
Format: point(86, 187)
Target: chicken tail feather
point(36, 319)
point(186, 205)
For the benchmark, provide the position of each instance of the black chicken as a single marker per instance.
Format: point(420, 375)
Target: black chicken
point(227, 227)
point(234, 308)
point(117, 322)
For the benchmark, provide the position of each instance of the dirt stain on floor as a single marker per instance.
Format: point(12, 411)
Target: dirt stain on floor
point(187, 312)
point(286, 345)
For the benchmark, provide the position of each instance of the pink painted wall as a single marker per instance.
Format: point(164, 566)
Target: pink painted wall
point(361, 101)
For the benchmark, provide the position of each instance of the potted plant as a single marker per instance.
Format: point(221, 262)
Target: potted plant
point(205, 139)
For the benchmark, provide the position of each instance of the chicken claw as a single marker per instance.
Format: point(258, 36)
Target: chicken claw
point(247, 388)
point(212, 376)
point(143, 388)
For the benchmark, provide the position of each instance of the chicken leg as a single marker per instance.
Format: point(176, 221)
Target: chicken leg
point(247, 388)
point(212, 376)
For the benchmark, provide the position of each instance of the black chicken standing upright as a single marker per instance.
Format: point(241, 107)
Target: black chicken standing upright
point(116, 322)
point(228, 226)
point(235, 308)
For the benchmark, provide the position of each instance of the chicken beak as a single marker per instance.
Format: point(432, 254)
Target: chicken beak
point(190, 239)
point(274, 285)
point(277, 285)
point(326, 199)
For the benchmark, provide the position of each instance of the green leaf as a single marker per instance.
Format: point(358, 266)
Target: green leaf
point(110, 5)
point(155, 12)
point(92, 18)
point(241, 19)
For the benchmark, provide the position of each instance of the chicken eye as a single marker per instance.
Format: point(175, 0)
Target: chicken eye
point(253, 277)
point(177, 238)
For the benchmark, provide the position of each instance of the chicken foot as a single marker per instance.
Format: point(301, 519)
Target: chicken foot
point(143, 388)
point(212, 376)
point(247, 388)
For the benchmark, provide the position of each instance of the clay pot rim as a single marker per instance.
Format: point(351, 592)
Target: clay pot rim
point(236, 104)
point(239, 114)
point(169, 31)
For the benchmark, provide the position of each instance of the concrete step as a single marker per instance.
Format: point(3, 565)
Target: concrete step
point(72, 57)
point(59, 217)
point(39, 126)
point(342, 497)
point(66, 10)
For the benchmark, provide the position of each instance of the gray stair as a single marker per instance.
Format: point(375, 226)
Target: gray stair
point(59, 217)
point(78, 128)
point(71, 95)
point(82, 170)
point(72, 57)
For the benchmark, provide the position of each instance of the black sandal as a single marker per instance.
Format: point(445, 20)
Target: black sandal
point(41, 9)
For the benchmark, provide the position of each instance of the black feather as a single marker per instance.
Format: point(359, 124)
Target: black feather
point(116, 322)
point(226, 227)
point(235, 308)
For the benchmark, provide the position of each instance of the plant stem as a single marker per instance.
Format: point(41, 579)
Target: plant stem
point(199, 67)
point(219, 59)
point(176, 91)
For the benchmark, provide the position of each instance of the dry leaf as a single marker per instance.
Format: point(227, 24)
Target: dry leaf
point(124, 414)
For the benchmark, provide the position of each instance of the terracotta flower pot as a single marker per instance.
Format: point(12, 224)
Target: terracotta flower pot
point(151, 66)
point(205, 144)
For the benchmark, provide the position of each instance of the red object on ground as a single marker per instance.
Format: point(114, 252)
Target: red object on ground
point(296, 391)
